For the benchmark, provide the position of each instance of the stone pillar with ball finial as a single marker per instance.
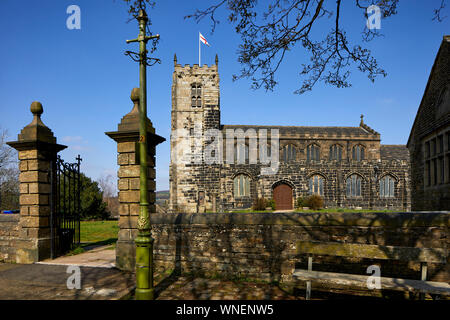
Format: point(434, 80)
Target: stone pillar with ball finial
point(127, 138)
point(37, 149)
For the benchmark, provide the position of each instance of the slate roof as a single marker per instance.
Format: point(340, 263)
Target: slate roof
point(394, 152)
point(302, 130)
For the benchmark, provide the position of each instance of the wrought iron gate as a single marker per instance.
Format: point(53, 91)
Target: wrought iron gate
point(65, 206)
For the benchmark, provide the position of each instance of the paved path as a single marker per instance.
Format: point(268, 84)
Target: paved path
point(100, 257)
point(189, 288)
point(49, 282)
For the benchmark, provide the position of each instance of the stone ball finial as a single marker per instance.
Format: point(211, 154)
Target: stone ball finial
point(135, 95)
point(36, 108)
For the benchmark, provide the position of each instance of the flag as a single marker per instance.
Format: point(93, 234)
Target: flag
point(203, 39)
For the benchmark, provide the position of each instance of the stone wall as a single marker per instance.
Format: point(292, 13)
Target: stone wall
point(297, 176)
point(9, 232)
point(263, 246)
point(216, 182)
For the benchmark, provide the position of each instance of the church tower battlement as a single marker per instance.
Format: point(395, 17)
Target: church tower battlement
point(195, 95)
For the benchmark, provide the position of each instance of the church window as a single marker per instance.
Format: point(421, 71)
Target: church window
point(313, 153)
point(358, 153)
point(289, 153)
point(316, 185)
point(436, 160)
point(265, 156)
point(336, 152)
point(387, 187)
point(196, 95)
point(354, 186)
point(241, 186)
point(241, 153)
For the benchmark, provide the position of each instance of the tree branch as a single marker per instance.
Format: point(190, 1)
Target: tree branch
point(269, 32)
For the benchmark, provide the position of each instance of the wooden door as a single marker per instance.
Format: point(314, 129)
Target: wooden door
point(282, 195)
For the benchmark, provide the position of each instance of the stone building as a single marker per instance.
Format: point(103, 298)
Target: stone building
point(347, 166)
point(429, 140)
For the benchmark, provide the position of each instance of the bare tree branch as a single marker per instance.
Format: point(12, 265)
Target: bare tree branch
point(6, 152)
point(437, 12)
point(9, 174)
point(106, 184)
point(269, 32)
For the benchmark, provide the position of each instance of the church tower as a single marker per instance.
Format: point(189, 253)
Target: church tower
point(195, 108)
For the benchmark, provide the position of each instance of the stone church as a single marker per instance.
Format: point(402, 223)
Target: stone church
point(347, 166)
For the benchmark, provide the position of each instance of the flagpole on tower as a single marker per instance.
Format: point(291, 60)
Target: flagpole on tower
point(201, 39)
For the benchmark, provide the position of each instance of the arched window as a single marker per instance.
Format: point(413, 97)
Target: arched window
point(241, 186)
point(289, 153)
point(240, 153)
point(354, 186)
point(358, 153)
point(313, 152)
point(387, 187)
point(196, 95)
point(266, 156)
point(316, 185)
point(336, 152)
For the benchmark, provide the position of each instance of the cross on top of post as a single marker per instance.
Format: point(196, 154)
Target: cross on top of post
point(142, 37)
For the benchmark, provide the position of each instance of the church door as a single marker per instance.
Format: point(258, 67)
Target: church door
point(282, 195)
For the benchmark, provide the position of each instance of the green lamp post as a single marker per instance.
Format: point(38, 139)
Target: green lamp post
point(144, 241)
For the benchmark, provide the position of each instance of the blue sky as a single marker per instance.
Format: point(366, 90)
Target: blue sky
point(83, 78)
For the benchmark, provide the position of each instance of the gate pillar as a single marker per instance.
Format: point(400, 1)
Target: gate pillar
point(127, 137)
point(37, 148)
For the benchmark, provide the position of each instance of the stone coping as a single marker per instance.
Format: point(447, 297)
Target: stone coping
point(124, 136)
point(11, 217)
point(377, 219)
point(23, 145)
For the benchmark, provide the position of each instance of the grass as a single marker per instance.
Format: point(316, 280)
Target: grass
point(75, 251)
point(328, 210)
point(335, 210)
point(98, 232)
point(250, 211)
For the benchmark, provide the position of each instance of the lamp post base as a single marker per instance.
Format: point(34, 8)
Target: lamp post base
point(145, 294)
point(144, 266)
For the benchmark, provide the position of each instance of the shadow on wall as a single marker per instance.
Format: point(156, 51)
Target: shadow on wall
point(262, 246)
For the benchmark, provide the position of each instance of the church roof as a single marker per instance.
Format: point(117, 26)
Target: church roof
point(362, 131)
point(394, 152)
point(305, 130)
